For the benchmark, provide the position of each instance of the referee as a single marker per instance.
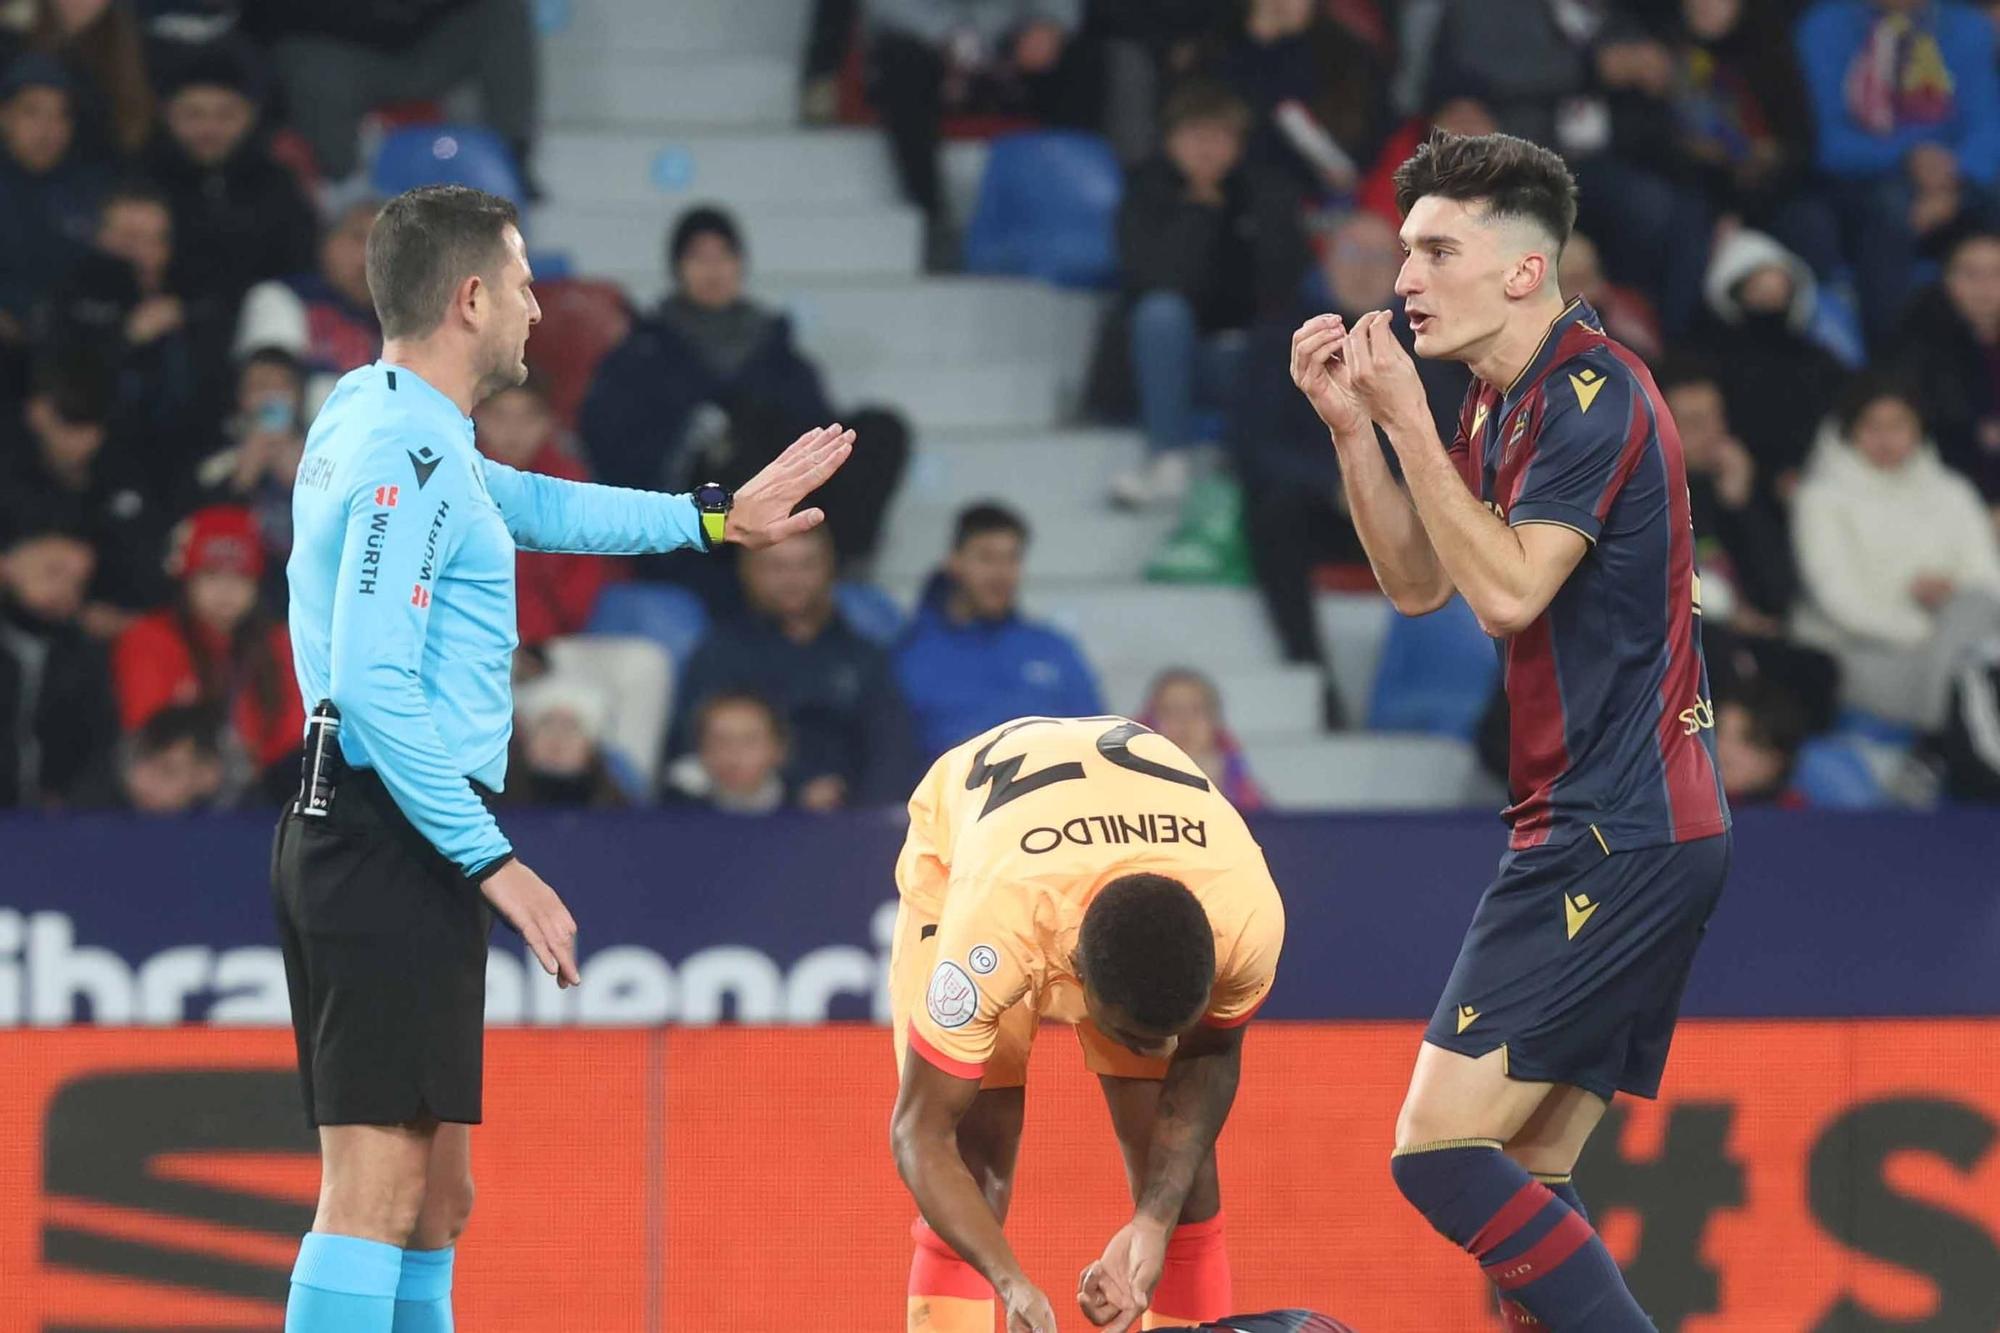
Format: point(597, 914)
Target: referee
point(389, 866)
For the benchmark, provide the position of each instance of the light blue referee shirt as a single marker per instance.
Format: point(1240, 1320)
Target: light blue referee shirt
point(402, 590)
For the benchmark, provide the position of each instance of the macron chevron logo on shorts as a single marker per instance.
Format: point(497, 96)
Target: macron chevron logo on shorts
point(385, 496)
point(420, 596)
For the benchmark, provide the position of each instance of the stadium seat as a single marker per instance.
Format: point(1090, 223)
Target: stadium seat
point(1047, 209)
point(446, 155)
point(1833, 773)
point(872, 613)
point(582, 319)
point(1436, 674)
point(668, 615)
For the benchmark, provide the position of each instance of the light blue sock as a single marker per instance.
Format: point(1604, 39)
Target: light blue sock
point(423, 1297)
point(343, 1284)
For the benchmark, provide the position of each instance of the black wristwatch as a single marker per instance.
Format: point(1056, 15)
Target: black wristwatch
point(713, 503)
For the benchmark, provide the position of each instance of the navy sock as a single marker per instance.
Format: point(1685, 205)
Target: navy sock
point(1539, 1252)
point(423, 1296)
point(343, 1284)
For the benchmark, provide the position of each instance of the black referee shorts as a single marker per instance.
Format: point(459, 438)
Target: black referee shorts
point(385, 957)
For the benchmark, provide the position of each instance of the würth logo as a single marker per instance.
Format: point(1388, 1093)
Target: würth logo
point(385, 496)
point(420, 596)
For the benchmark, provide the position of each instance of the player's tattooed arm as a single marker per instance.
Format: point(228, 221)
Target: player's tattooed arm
point(924, 1134)
point(1195, 1098)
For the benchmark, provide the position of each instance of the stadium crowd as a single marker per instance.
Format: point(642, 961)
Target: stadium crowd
point(1790, 208)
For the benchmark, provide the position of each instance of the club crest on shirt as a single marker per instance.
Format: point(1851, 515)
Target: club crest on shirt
point(983, 959)
point(953, 997)
point(1514, 438)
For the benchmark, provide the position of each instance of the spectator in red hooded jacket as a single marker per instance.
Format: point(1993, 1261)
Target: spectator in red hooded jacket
point(214, 646)
point(554, 592)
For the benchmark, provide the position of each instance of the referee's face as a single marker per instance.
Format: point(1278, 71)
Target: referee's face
point(513, 312)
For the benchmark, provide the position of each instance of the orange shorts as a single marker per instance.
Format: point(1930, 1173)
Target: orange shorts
point(912, 955)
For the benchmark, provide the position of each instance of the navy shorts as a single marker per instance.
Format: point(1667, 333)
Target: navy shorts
point(1576, 960)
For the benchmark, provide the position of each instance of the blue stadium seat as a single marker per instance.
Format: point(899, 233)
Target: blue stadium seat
point(872, 613)
point(1436, 675)
point(670, 616)
point(1833, 773)
point(446, 155)
point(1047, 209)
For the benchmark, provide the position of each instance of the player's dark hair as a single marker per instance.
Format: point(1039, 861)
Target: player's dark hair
point(1146, 947)
point(722, 699)
point(1511, 177)
point(1869, 387)
point(423, 244)
point(977, 520)
point(1199, 99)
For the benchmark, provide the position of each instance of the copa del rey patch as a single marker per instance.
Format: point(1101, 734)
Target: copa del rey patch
point(953, 997)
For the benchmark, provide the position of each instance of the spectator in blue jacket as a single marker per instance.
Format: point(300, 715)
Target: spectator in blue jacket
point(850, 733)
point(1906, 103)
point(710, 387)
point(971, 660)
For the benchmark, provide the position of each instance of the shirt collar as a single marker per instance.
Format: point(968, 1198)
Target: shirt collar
point(431, 397)
point(1577, 312)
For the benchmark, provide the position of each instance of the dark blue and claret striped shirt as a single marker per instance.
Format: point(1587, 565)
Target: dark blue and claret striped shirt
point(1613, 728)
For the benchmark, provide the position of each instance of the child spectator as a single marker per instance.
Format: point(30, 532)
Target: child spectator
point(558, 758)
point(738, 762)
point(1184, 706)
point(214, 647)
point(172, 765)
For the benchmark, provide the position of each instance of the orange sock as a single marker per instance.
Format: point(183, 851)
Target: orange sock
point(1194, 1286)
point(947, 1295)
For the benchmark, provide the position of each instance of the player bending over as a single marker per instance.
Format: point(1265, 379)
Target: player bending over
point(1560, 513)
point(1080, 870)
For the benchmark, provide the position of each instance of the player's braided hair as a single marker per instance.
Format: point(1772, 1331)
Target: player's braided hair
point(1512, 177)
point(1146, 947)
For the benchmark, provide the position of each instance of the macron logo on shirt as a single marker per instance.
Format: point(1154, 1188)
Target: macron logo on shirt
point(425, 461)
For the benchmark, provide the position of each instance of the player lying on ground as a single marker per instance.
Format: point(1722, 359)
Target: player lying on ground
point(1081, 870)
point(1560, 513)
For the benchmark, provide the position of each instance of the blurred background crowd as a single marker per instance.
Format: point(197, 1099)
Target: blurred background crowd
point(1046, 257)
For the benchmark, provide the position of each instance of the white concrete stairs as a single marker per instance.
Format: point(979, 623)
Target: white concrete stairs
point(652, 105)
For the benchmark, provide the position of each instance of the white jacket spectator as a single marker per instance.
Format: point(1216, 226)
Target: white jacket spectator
point(1898, 555)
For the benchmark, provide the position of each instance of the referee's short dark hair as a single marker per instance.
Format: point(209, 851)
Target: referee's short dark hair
point(976, 520)
point(1512, 177)
point(1146, 948)
point(423, 244)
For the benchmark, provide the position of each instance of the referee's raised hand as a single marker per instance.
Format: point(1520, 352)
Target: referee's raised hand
point(763, 515)
point(531, 907)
